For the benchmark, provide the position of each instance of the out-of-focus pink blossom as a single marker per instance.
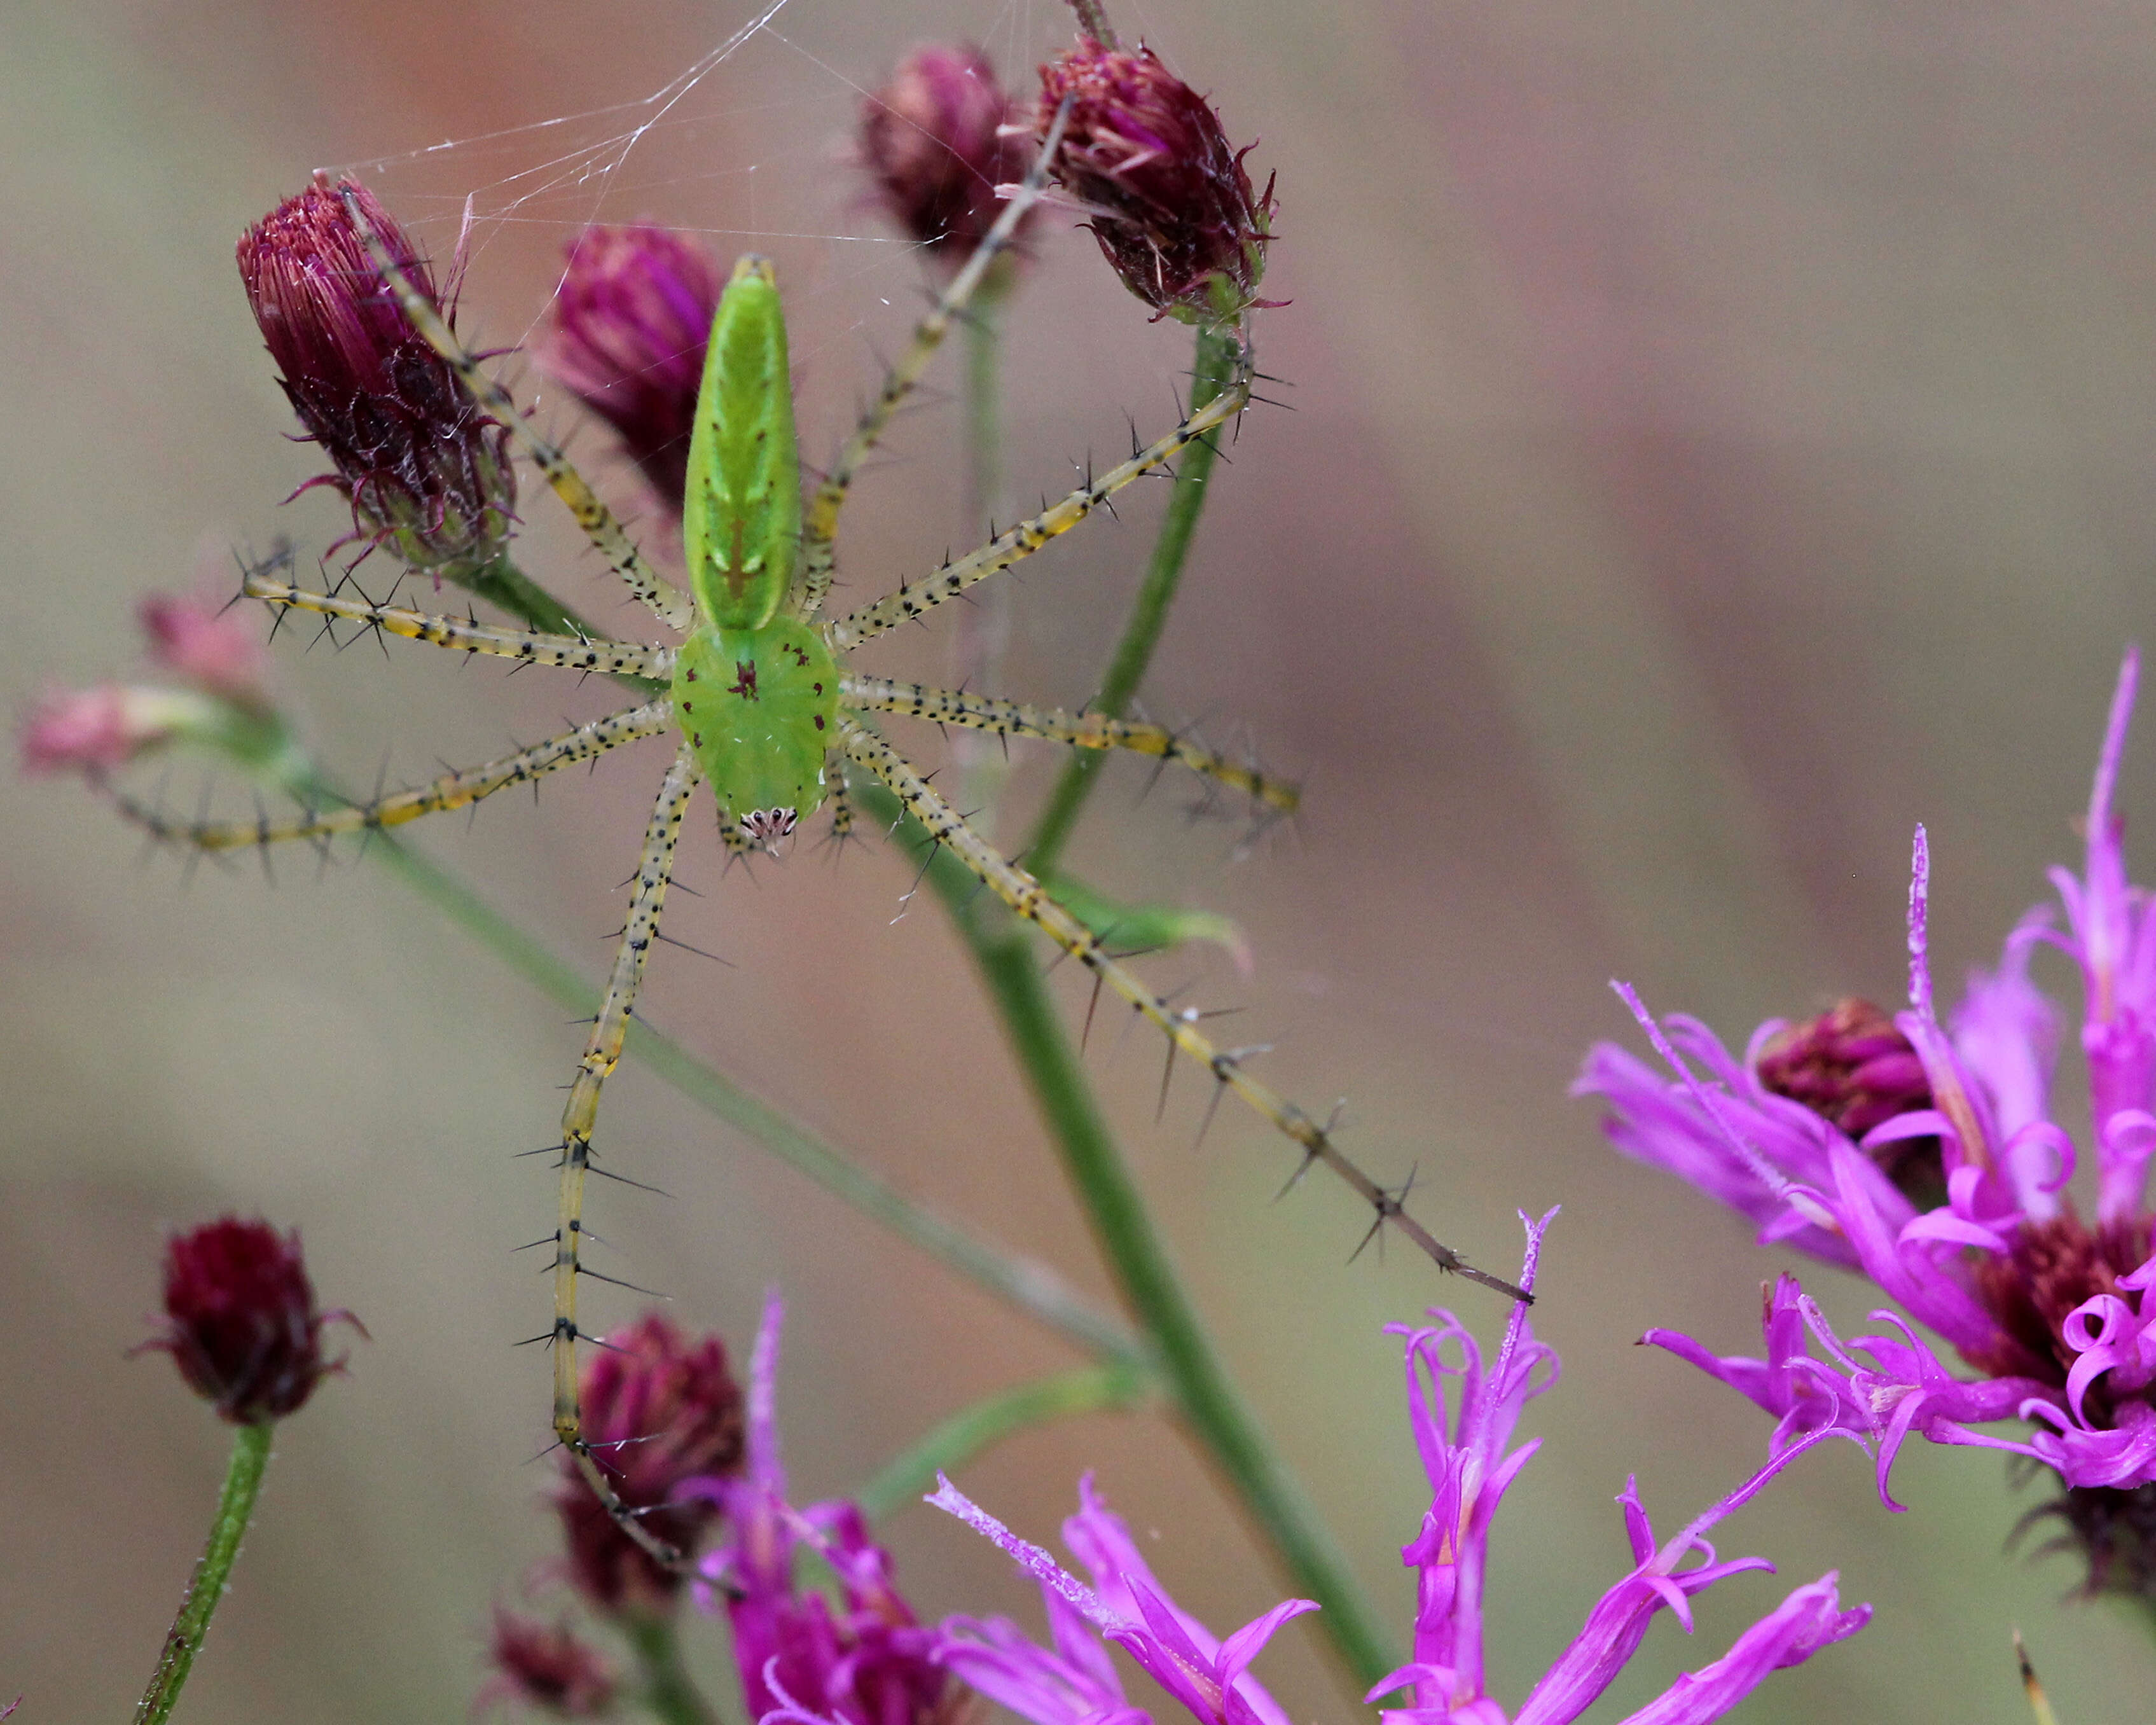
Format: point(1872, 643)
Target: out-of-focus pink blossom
point(211, 646)
point(938, 139)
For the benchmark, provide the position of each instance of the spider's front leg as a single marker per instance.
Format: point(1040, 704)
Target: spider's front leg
point(602, 1053)
point(1030, 900)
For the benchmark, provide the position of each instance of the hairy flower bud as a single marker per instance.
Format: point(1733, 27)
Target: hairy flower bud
point(631, 322)
point(938, 139)
point(551, 1669)
point(661, 1409)
point(97, 731)
point(241, 1322)
point(427, 474)
point(1170, 202)
point(1854, 1069)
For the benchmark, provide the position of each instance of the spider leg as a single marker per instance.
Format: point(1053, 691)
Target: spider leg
point(1026, 896)
point(838, 796)
point(820, 524)
point(576, 653)
point(667, 601)
point(1084, 730)
point(1015, 544)
point(601, 1051)
point(452, 790)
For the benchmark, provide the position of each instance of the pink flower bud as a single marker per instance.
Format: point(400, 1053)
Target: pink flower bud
point(631, 322)
point(427, 473)
point(938, 139)
point(241, 1322)
point(1171, 204)
point(214, 649)
point(551, 1669)
point(96, 731)
point(660, 1409)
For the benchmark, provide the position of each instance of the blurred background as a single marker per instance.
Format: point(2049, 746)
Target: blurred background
point(1722, 438)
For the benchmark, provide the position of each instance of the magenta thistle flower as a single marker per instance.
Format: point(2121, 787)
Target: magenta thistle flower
point(1463, 1437)
point(548, 1667)
point(937, 140)
point(863, 1659)
point(240, 1320)
point(663, 1417)
point(1147, 158)
point(632, 319)
point(427, 474)
point(95, 732)
point(1986, 1250)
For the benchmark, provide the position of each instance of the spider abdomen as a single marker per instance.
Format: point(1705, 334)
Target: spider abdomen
point(760, 708)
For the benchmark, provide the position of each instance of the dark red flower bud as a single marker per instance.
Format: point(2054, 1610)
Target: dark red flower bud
point(428, 474)
point(242, 1324)
point(660, 1409)
point(631, 322)
point(551, 1669)
point(939, 138)
point(1171, 204)
point(1852, 1067)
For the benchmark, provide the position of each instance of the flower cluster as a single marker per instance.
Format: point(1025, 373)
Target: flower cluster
point(663, 1417)
point(937, 140)
point(1464, 1439)
point(240, 1320)
point(427, 473)
point(1167, 196)
point(1926, 1155)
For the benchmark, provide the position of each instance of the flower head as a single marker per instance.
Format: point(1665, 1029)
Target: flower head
point(96, 731)
point(863, 1659)
point(427, 474)
point(1169, 199)
point(632, 319)
point(240, 1319)
point(208, 644)
point(1944, 1183)
point(548, 1667)
point(1462, 1411)
point(663, 1417)
point(937, 140)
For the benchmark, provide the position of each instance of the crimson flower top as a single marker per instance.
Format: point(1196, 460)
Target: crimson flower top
point(661, 1410)
point(427, 473)
point(1170, 201)
point(938, 139)
point(632, 319)
point(241, 1322)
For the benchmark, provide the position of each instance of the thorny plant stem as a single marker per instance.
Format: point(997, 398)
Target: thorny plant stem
point(1089, 1389)
point(668, 1692)
point(235, 1505)
point(1218, 347)
point(1212, 1408)
point(1031, 1288)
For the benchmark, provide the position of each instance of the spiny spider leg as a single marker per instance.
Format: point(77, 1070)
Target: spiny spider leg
point(1015, 544)
point(667, 602)
point(1030, 900)
point(452, 790)
point(840, 798)
point(572, 652)
point(602, 1052)
point(1084, 730)
point(821, 523)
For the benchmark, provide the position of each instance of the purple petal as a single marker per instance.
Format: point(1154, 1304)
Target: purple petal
point(1806, 1621)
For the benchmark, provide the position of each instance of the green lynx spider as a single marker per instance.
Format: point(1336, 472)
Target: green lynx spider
point(763, 711)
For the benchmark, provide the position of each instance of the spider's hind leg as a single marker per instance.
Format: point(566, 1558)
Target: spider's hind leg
point(1031, 901)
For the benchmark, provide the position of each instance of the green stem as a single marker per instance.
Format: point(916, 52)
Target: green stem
point(235, 1505)
point(667, 1690)
point(1089, 1389)
point(1031, 1288)
point(983, 401)
point(1210, 1407)
point(1218, 349)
